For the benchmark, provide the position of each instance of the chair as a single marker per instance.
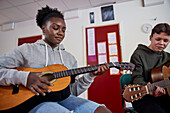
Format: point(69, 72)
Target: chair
point(125, 80)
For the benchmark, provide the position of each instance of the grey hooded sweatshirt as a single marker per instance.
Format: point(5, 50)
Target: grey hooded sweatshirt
point(39, 55)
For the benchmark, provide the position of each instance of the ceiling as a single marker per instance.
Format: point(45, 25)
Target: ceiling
point(22, 10)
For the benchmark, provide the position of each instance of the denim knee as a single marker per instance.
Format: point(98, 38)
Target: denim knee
point(49, 107)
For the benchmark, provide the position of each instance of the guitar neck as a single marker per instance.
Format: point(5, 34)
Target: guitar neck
point(78, 71)
point(82, 70)
point(163, 83)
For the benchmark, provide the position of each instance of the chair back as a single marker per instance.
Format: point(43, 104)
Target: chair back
point(124, 80)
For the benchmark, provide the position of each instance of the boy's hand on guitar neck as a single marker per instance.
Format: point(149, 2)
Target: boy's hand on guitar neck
point(101, 69)
point(158, 92)
point(36, 83)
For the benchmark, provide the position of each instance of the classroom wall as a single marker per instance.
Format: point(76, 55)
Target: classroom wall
point(129, 15)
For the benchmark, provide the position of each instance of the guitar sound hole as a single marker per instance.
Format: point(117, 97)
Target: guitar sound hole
point(48, 77)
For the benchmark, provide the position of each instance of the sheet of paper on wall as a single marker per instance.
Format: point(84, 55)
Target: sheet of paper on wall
point(91, 41)
point(113, 70)
point(101, 47)
point(112, 49)
point(102, 59)
point(112, 38)
point(113, 59)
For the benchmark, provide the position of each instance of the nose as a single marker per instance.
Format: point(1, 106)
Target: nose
point(161, 42)
point(60, 32)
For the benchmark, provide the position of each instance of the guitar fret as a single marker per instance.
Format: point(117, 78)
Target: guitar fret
point(57, 75)
point(60, 74)
point(82, 70)
point(95, 68)
point(64, 73)
point(71, 72)
point(88, 69)
point(76, 71)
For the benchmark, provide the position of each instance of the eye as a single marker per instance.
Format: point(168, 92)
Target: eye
point(55, 28)
point(63, 30)
point(157, 39)
point(166, 40)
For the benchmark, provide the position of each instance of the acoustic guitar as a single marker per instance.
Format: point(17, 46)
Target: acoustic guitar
point(12, 98)
point(135, 92)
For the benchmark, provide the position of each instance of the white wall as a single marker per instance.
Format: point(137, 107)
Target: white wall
point(130, 16)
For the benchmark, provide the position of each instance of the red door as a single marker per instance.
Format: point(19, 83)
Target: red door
point(106, 88)
point(31, 39)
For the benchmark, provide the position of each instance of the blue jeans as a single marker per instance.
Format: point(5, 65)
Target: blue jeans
point(72, 104)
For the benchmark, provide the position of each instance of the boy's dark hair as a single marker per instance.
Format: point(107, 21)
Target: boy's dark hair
point(45, 14)
point(162, 27)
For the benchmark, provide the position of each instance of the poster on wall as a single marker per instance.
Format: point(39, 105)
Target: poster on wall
point(91, 17)
point(102, 57)
point(107, 13)
point(112, 37)
point(91, 45)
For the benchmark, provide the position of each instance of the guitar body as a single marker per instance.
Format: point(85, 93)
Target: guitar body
point(166, 74)
point(9, 100)
point(157, 73)
point(161, 73)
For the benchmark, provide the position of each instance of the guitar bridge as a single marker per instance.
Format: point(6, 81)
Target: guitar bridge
point(15, 89)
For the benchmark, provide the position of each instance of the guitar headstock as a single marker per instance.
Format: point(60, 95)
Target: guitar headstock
point(124, 65)
point(133, 92)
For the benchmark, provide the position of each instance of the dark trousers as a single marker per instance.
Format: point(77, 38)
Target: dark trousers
point(150, 104)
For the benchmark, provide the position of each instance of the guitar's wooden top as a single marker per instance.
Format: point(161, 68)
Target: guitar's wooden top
point(9, 100)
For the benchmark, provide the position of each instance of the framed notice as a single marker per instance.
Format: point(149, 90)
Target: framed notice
point(107, 13)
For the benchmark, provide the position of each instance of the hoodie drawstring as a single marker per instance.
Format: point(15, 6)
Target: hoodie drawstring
point(46, 55)
point(61, 58)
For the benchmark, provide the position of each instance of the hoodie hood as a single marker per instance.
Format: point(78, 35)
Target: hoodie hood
point(58, 47)
point(42, 42)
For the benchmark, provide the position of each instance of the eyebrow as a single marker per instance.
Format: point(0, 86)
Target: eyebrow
point(59, 25)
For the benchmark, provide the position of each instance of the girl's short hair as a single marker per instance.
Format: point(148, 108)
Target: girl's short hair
point(46, 13)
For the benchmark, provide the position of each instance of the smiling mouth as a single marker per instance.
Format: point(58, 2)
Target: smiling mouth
point(58, 38)
point(160, 48)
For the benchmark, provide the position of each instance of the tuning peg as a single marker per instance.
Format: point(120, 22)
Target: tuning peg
point(121, 71)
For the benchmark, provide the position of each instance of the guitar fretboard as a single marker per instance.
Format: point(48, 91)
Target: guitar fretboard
point(163, 83)
point(78, 71)
point(82, 70)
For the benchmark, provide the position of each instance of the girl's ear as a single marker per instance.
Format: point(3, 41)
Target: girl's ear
point(43, 29)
